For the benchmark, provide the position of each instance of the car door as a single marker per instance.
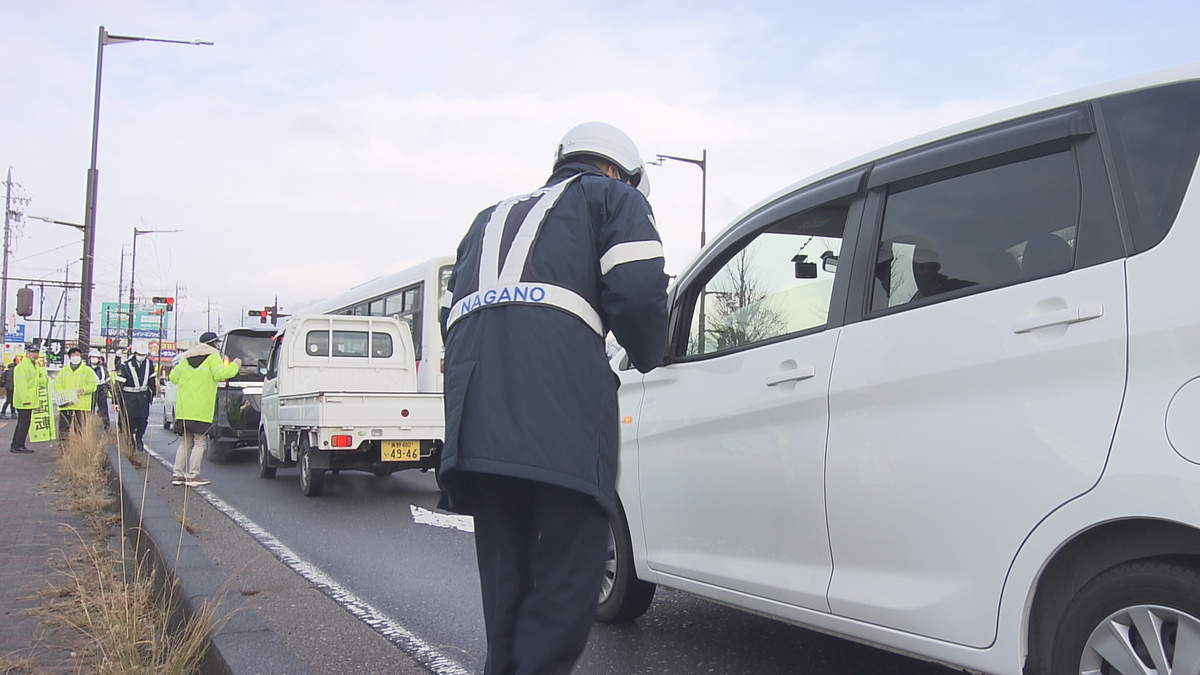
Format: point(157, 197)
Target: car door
point(731, 434)
point(978, 389)
point(270, 397)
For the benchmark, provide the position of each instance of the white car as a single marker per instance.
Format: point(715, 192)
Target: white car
point(168, 388)
point(945, 398)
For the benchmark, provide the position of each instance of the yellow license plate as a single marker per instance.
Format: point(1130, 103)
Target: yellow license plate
point(401, 451)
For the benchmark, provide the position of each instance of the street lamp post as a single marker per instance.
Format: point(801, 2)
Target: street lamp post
point(89, 209)
point(132, 269)
point(4, 284)
point(703, 164)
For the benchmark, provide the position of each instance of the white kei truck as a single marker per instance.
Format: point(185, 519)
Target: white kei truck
point(340, 394)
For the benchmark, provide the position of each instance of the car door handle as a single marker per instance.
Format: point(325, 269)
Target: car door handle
point(1059, 318)
point(793, 375)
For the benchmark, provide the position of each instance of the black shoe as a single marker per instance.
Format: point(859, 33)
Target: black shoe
point(21, 449)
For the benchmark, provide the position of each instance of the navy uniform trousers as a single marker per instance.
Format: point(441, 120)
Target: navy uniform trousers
point(541, 551)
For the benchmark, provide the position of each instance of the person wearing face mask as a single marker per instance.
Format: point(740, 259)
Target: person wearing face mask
point(100, 397)
point(136, 384)
point(73, 387)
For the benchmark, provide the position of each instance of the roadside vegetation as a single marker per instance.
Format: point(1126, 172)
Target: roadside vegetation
point(122, 621)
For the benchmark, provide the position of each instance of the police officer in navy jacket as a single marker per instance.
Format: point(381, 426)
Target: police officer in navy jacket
point(531, 400)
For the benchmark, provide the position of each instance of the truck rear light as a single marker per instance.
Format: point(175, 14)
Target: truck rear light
point(341, 440)
point(404, 412)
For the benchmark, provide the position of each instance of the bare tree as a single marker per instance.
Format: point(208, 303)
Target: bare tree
point(737, 307)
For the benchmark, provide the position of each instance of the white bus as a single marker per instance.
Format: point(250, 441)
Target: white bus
point(412, 295)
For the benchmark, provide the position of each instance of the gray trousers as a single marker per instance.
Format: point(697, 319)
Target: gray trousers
point(190, 452)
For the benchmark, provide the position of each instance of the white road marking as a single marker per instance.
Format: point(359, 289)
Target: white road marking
point(424, 653)
point(447, 520)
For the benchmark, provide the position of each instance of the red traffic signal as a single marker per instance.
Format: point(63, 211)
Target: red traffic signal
point(164, 300)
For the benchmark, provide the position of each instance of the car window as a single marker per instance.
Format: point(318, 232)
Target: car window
point(776, 283)
point(982, 229)
point(273, 359)
point(316, 343)
point(1155, 137)
point(381, 345)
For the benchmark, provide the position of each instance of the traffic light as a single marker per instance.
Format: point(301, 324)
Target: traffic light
point(24, 301)
point(164, 300)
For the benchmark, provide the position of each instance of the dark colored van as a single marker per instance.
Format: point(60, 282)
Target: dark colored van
point(239, 399)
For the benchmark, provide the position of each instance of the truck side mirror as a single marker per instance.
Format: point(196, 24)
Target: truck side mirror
point(262, 367)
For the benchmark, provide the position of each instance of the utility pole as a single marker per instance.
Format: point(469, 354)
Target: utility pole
point(120, 294)
point(208, 322)
point(4, 282)
point(10, 214)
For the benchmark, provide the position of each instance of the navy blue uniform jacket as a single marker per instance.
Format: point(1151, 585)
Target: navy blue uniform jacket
point(528, 388)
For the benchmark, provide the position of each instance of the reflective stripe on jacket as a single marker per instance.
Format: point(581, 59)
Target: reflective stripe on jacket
point(539, 281)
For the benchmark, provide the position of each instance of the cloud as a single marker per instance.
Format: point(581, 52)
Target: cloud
point(309, 150)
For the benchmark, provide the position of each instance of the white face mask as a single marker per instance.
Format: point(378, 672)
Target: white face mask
point(76, 360)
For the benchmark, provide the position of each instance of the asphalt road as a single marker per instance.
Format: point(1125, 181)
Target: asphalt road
point(418, 581)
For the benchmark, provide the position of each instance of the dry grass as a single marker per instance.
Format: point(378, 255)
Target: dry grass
point(114, 603)
point(80, 470)
point(11, 664)
point(126, 622)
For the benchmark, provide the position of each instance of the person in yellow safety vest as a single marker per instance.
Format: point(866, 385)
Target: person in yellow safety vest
point(26, 378)
point(195, 378)
point(73, 386)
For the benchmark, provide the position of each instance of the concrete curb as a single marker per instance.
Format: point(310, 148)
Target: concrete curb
point(244, 645)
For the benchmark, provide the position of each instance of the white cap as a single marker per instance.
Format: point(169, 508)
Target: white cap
point(140, 347)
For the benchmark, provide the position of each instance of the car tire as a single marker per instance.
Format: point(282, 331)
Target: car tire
point(312, 481)
point(623, 597)
point(218, 451)
point(1128, 620)
point(266, 466)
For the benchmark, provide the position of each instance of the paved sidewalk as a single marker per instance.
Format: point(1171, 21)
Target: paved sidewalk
point(33, 535)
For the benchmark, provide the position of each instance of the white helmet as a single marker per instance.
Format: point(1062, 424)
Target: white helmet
point(609, 142)
point(140, 347)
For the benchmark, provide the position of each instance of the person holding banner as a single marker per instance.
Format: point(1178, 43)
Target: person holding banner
point(73, 387)
point(28, 380)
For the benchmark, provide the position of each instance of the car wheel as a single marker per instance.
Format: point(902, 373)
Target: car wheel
point(312, 481)
point(266, 468)
point(1138, 617)
point(381, 471)
point(217, 451)
point(623, 597)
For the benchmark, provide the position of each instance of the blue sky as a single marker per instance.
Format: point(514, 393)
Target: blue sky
point(317, 145)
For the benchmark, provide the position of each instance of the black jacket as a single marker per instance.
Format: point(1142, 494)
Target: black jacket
point(528, 388)
point(143, 380)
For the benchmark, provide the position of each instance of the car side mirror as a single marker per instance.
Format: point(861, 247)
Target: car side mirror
point(262, 366)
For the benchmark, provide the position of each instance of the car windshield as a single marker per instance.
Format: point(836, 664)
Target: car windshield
point(250, 346)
